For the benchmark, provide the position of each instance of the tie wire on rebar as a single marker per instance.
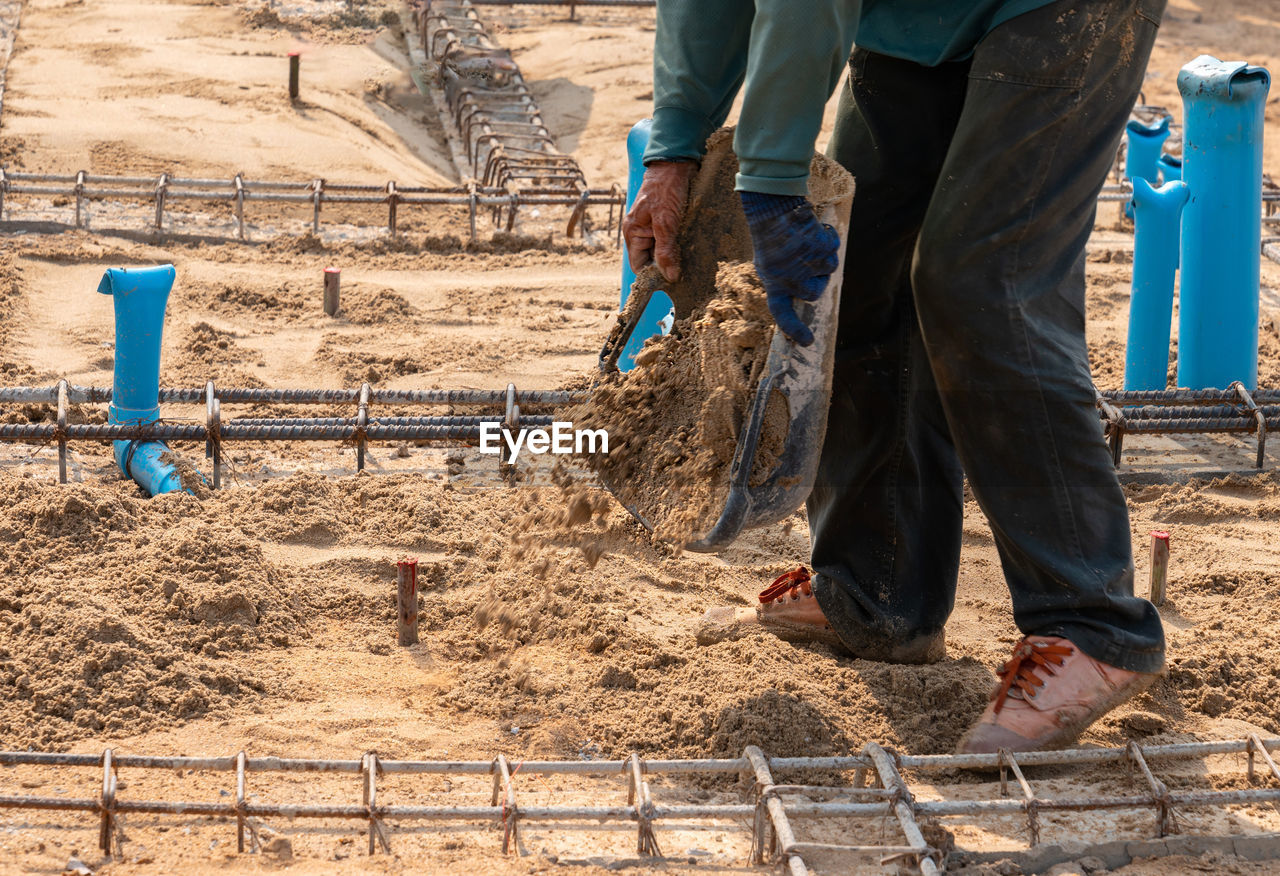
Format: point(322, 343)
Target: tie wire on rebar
point(770, 813)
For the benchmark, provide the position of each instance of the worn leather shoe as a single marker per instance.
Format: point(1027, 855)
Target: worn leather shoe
point(1049, 692)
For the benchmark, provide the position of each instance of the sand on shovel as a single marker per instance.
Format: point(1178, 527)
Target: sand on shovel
point(674, 420)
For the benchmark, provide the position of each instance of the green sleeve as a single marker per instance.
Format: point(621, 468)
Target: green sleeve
point(798, 52)
point(699, 59)
point(791, 55)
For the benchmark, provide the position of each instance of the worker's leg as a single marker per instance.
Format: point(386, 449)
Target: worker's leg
point(999, 285)
point(886, 512)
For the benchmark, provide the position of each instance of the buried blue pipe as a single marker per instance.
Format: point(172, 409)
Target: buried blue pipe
point(1157, 216)
point(656, 319)
point(1222, 223)
point(140, 296)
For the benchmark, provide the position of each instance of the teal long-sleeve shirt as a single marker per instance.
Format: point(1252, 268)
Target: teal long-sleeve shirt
point(788, 54)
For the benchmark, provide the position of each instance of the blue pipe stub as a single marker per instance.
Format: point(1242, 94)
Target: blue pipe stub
point(140, 296)
point(1157, 214)
point(1222, 223)
point(658, 314)
point(1142, 156)
point(1170, 168)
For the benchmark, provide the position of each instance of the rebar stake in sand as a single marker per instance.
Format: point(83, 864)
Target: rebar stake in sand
point(332, 281)
point(407, 601)
point(1159, 566)
point(295, 62)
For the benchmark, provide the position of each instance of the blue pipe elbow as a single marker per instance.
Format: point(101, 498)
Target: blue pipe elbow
point(1222, 223)
point(140, 296)
point(1157, 215)
point(657, 316)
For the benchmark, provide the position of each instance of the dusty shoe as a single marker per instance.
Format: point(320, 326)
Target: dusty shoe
point(1049, 692)
point(788, 609)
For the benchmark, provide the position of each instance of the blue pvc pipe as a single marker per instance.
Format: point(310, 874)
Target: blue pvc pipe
point(1141, 160)
point(1157, 216)
point(1170, 168)
point(656, 319)
point(1145, 144)
point(140, 296)
point(1222, 223)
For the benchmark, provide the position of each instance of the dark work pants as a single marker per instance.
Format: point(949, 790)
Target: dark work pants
point(961, 343)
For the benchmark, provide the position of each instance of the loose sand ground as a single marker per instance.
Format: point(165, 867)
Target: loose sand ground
point(260, 618)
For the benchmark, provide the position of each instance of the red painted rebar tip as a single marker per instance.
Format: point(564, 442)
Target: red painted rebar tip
point(410, 566)
point(333, 270)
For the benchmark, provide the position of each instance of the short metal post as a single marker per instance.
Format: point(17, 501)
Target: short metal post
point(1159, 566)
point(161, 189)
point(332, 282)
point(62, 431)
point(407, 601)
point(239, 184)
point(295, 62)
point(362, 422)
point(80, 175)
point(393, 201)
point(317, 195)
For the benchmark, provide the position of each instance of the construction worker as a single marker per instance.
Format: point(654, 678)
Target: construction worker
point(979, 133)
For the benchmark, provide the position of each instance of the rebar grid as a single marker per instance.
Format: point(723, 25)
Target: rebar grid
point(772, 808)
point(84, 187)
point(497, 133)
point(357, 430)
point(1234, 410)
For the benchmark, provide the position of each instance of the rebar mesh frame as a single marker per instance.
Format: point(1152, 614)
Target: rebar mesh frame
point(772, 807)
point(358, 430)
point(82, 187)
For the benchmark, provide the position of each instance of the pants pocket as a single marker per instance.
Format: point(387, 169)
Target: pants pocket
point(1050, 47)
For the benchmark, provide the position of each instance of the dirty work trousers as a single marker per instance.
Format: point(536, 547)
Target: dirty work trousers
point(961, 343)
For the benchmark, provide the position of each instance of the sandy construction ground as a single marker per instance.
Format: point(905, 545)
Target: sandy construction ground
point(260, 618)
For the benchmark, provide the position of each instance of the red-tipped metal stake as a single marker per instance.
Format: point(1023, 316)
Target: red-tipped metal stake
point(1159, 566)
point(407, 601)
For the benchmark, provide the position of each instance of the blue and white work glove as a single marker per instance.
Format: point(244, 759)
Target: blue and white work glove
point(794, 255)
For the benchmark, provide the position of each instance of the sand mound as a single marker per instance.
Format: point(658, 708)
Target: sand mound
point(121, 612)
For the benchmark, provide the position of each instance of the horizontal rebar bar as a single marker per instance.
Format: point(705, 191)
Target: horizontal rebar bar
point(927, 762)
point(1167, 412)
point(1186, 396)
point(172, 395)
point(539, 421)
point(284, 430)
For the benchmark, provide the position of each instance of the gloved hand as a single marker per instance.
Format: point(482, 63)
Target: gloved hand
point(794, 255)
point(650, 226)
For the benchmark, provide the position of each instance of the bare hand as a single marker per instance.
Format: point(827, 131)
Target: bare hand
point(649, 229)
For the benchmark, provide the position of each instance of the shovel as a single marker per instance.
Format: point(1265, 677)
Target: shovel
point(714, 230)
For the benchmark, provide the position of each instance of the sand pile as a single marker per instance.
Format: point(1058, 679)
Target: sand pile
point(210, 353)
point(120, 612)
